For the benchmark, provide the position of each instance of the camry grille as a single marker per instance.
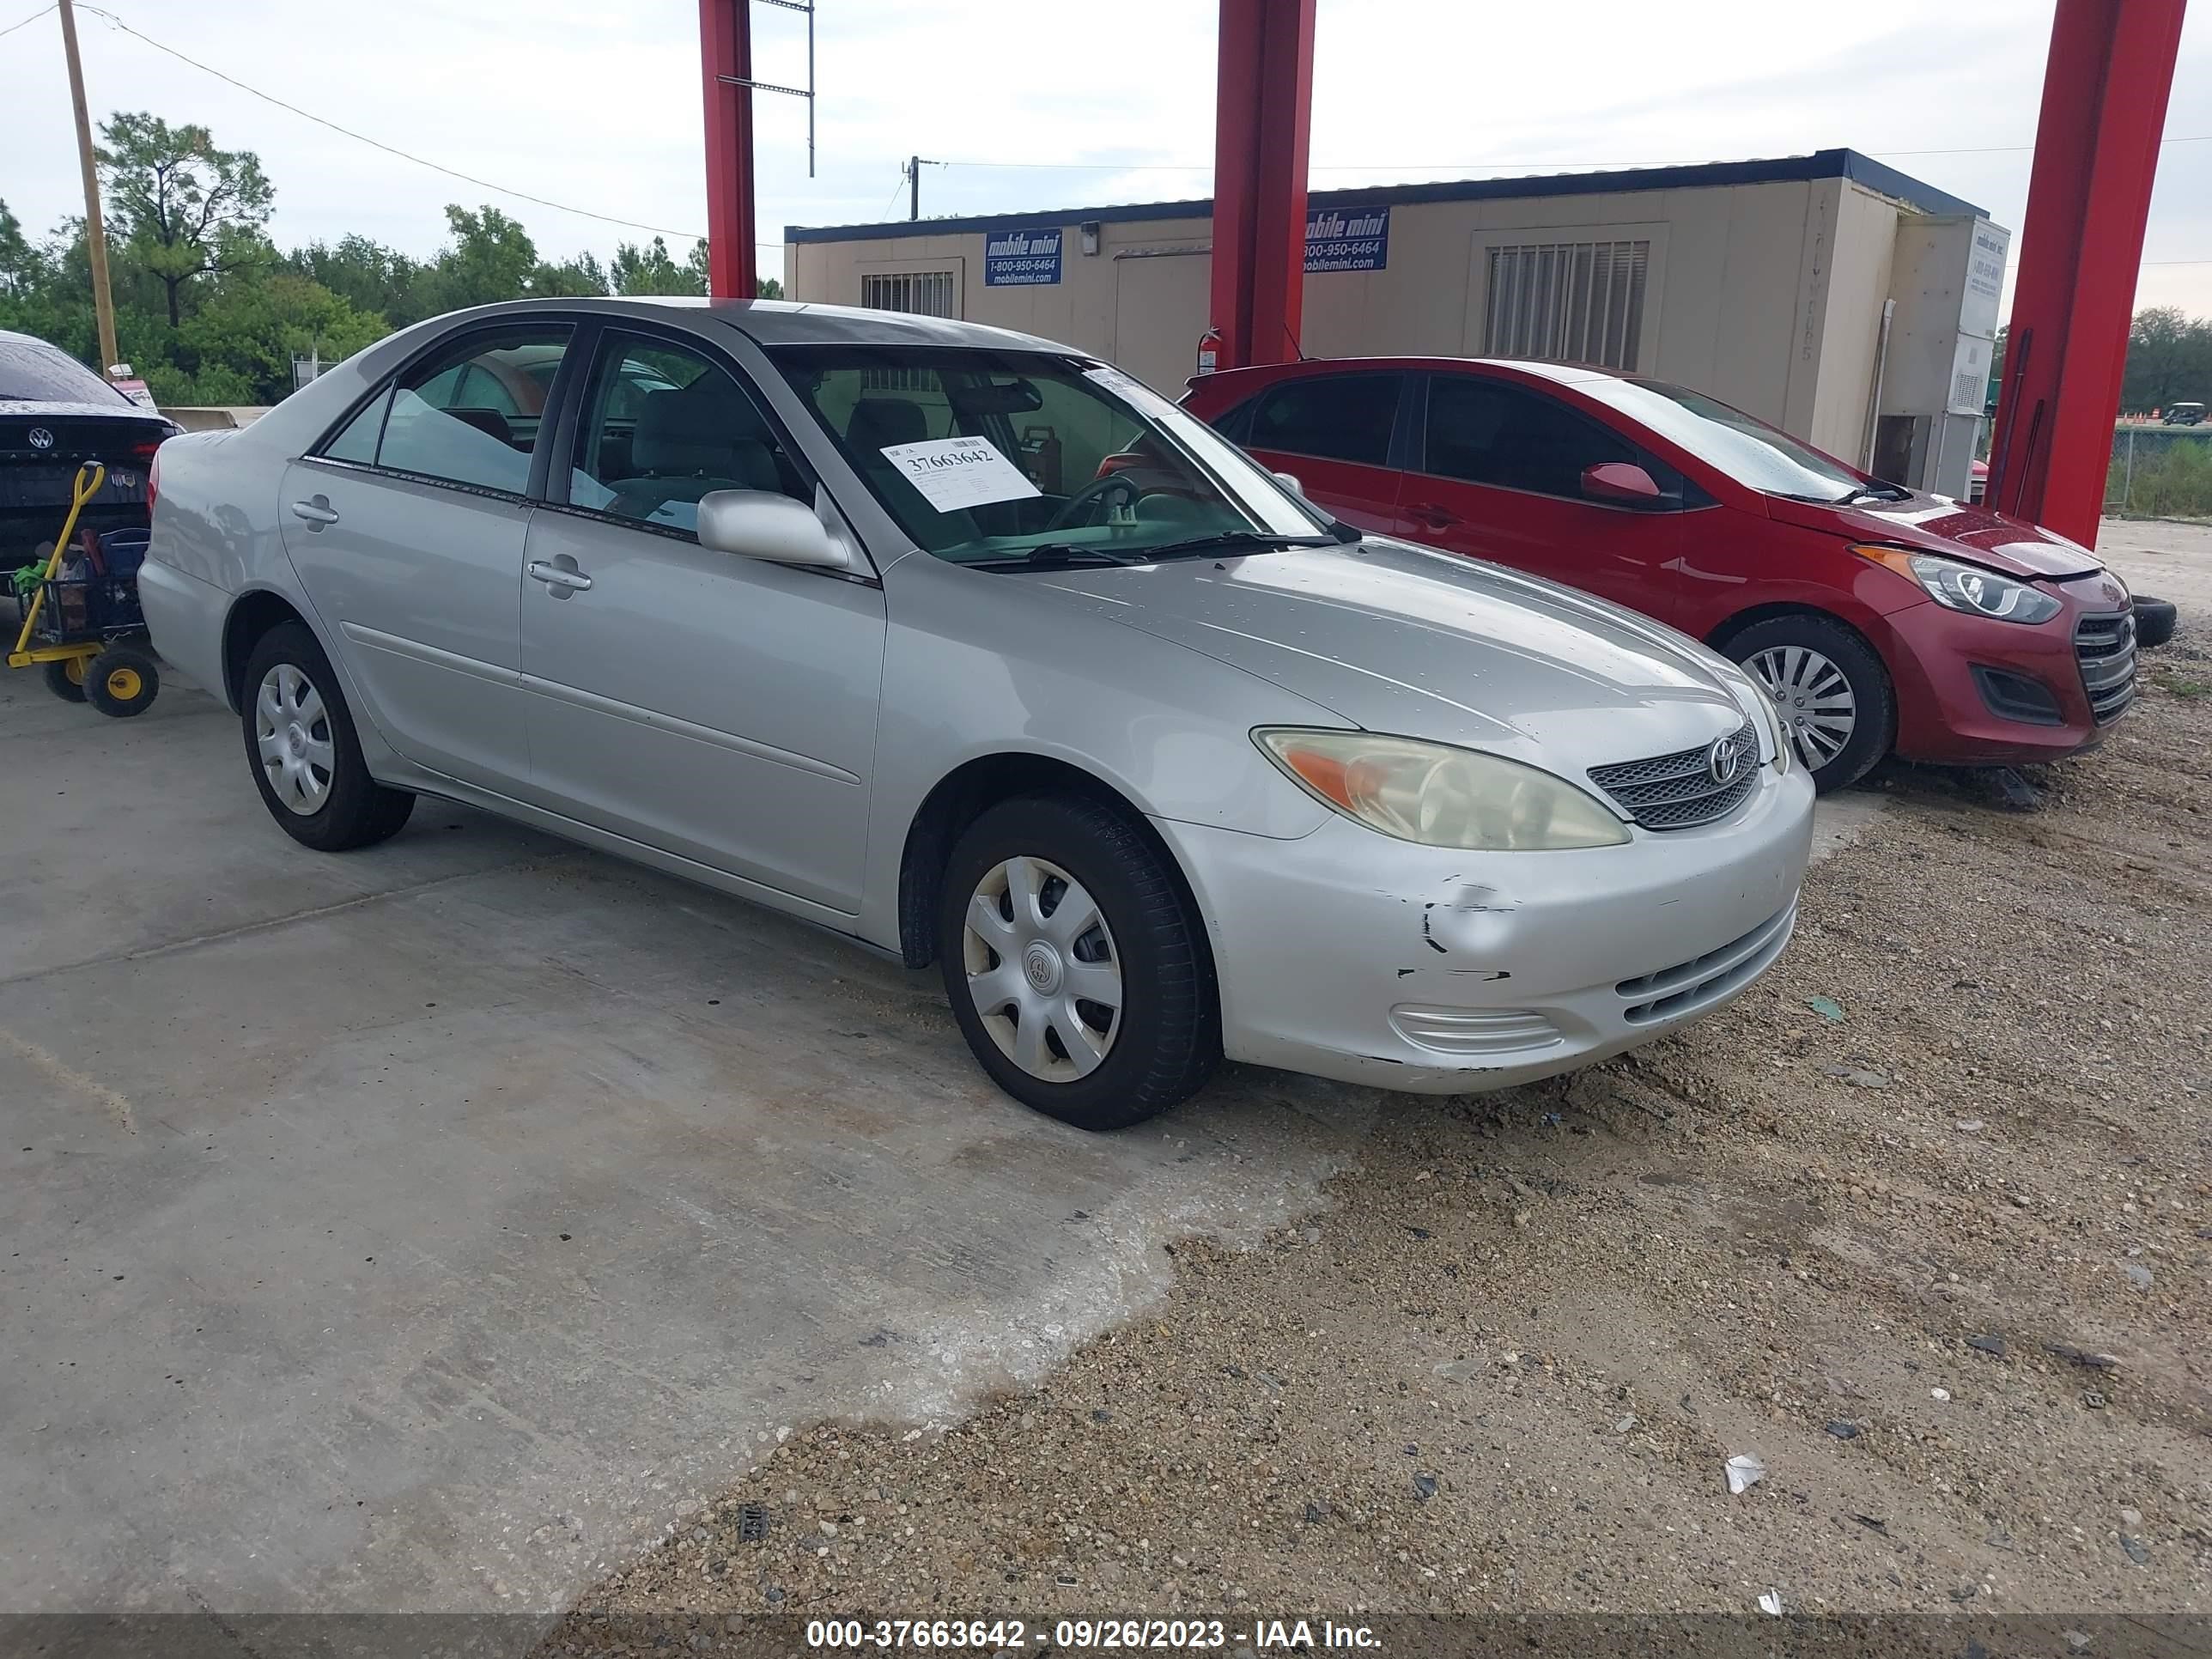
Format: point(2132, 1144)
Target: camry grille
point(1688, 788)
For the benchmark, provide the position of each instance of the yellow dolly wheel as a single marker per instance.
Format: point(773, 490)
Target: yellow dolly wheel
point(121, 681)
point(65, 678)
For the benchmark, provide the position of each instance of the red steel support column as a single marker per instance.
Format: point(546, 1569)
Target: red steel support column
point(2096, 155)
point(726, 47)
point(1263, 116)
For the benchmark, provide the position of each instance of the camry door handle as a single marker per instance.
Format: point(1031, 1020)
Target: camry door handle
point(562, 578)
point(1433, 515)
point(317, 511)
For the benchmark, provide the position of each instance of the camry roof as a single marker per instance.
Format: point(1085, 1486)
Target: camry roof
point(785, 322)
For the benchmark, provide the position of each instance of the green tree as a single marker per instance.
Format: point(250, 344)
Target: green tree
point(182, 208)
point(690, 278)
point(582, 275)
point(20, 267)
point(2169, 359)
point(491, 258)
point(649, 270)
point(244, 336)
point(367, 276)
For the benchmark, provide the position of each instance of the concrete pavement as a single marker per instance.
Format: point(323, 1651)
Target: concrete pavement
point(2171, 561)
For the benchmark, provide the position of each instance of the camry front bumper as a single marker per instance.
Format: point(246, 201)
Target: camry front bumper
point(1348, 955)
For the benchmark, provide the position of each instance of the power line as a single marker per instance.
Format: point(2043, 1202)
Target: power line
point(26, 22)
point(378, 143)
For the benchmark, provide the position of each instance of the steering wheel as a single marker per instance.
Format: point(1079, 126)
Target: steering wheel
point(1080, 504)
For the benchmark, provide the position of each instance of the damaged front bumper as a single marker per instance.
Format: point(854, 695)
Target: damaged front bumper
point(1348, 955)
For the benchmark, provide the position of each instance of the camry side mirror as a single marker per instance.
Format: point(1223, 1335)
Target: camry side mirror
point(1619, 481)
point(760, 524)
point(1290, 482)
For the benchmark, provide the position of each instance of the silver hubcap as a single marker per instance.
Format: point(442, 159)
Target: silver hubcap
point(1815, 698)
point(1042, 969)
point(292, 734)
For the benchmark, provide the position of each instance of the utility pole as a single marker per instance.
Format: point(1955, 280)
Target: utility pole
point(914, 164)
point(95, 235)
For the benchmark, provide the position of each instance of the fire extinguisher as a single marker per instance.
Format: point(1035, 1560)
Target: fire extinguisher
point(1209, 352)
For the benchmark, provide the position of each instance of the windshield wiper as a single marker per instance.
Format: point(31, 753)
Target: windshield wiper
point(1243, 541)
point(1876, 492)
point(1057, 556)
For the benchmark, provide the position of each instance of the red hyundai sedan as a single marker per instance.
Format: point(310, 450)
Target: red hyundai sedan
point(1878, 618)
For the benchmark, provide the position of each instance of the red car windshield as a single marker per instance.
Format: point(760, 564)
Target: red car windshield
point(1753, 453)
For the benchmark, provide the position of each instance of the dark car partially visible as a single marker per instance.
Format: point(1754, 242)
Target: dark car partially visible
point(56, 414)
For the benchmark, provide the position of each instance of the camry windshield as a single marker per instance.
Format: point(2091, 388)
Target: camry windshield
point(1025, 459)
point(1749, 451)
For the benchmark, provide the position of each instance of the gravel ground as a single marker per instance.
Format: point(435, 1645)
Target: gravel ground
point(1921, 1224)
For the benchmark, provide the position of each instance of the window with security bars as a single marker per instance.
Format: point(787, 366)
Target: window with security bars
point(1577, 302)
point(927, 293)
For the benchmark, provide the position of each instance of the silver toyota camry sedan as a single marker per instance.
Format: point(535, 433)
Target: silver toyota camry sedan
point(968, 645)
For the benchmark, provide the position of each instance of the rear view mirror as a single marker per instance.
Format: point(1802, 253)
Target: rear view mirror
point(1619, 481)
point(1290, 482)
point(759, 524)
point(1014, 397)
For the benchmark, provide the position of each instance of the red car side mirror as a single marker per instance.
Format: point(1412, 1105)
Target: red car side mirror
point(1619, 481)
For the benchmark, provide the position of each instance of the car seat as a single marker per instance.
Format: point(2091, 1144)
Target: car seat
point(691, 441)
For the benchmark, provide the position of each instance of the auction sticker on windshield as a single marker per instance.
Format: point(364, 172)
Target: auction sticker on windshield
point(955, 472)
point(1123, 387)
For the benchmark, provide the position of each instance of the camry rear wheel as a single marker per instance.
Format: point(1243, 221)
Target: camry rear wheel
point(1831, 689)
point(1072, 966)
point(306, 758)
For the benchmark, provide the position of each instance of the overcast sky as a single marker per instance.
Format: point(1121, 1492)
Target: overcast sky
point(597, 105)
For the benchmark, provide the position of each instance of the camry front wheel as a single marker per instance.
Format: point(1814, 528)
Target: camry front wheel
point(1076, 973)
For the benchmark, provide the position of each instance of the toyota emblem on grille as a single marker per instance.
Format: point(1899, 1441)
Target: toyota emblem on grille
point(41, 438)
point(1722, 760)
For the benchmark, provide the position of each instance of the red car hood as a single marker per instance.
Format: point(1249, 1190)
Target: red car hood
point(1934, 525)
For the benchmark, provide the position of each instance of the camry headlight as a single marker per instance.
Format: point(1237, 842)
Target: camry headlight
point(1958, 586)
point(1440, 796)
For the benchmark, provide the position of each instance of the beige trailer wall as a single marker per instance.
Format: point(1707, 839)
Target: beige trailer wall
point(1766, 296)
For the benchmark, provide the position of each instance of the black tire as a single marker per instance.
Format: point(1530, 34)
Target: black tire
point(1874, 715)
point(122, 681)
point(355, 811)
point(66, 679)
point(2154, 621)
point(1166, 1036)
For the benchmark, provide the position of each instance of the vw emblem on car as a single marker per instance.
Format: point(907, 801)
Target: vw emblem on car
point(41, 438)
point(1723, 761)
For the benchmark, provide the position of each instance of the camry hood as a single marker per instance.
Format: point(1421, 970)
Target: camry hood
point(1401, 639)
point(1936, 523)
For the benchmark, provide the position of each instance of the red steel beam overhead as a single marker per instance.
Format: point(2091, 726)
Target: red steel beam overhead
point(1262, 119)
point(2096, 155)
point(725, 54)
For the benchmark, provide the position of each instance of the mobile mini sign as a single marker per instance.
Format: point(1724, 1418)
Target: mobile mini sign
point(1348, 238)
point(1022, 258)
